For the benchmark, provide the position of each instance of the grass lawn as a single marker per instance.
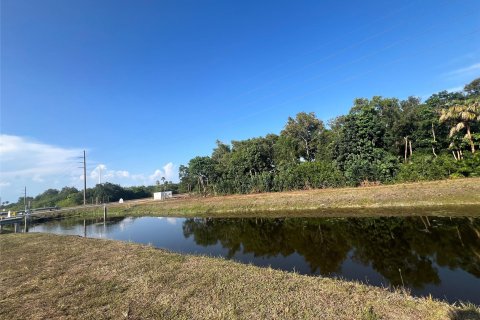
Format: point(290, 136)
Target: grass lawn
point(45, 276)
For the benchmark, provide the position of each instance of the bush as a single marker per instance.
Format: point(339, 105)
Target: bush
point(308, 175)
point(381, 167)
point(427, 167)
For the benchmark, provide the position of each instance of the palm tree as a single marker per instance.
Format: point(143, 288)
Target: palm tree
point(463, 114)
point(163, 180)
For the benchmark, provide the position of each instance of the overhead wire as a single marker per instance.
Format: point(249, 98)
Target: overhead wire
point(341, 50)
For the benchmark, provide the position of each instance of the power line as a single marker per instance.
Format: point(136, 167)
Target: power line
point(348, 79)
point(387, 47)
point(336, 53)
point(344, 80)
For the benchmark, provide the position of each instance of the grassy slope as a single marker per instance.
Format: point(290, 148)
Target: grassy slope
point(435, 198)
point(461, 192)
point(49, 277)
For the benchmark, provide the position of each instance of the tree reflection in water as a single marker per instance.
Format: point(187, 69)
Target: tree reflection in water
point(415, 245)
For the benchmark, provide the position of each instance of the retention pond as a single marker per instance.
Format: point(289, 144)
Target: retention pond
point(437, 256)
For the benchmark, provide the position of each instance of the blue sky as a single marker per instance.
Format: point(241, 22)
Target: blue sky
point(144, 86)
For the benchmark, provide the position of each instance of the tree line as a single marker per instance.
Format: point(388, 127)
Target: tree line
point(101, 193)
point(380, 140)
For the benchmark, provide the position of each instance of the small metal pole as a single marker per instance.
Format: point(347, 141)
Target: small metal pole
point(84, 228)
point(104, 213)
point(25, 227)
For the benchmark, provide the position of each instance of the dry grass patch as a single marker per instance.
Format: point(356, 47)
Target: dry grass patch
point(63, 277)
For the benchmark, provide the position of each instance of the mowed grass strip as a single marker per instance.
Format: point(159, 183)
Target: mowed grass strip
point(445, 197)
point(434, 194)
point(46, 276)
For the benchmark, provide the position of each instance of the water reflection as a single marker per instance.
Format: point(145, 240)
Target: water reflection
point(434, 255)
point(385, 244)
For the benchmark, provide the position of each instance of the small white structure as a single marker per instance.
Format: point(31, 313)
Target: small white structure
point(162, 195)
point(121, 200)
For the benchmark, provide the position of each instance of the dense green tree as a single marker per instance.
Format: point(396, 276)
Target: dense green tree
point(306, 130)
point(473, 88)
point(360, 152)
point(285, 152)
point(202, 169)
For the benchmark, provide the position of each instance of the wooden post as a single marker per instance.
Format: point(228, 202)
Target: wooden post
point(25, 226)
point(84, 228)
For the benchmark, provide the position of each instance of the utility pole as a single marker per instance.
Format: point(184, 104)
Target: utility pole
point(84, 178)
point(25, 199)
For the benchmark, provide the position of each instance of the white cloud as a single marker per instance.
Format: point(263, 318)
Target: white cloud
point(39, 166)
point(157, 175)
point(102, 174)
point(455, 89)
point(123, 177)
point(26, 162)
point(28, 159)
point(138, 177)
point(4, 184)
point(470, 70)
point(169, 172)
point(122, 174)
point(99, 172)
point(37, 178)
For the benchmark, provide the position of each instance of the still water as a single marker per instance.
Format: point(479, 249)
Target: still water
point(429, 255)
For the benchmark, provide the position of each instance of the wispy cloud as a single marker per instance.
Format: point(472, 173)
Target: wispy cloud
point(455, 89)
point(24, 158)
point(471, 70)
point(4, 183)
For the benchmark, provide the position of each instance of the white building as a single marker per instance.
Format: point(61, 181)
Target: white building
point(162, 195)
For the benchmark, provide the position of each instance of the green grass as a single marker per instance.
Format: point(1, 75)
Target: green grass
point(46, 276)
